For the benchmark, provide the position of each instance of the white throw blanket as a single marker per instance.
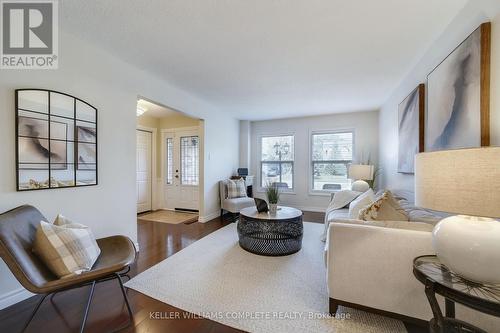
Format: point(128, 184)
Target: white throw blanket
point(339, 201)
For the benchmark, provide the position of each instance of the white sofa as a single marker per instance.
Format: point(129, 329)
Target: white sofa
point(369, 267)
point(232, 205)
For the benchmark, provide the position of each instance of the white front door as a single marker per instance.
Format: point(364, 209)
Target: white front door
point(182, 169)
point(144, 169)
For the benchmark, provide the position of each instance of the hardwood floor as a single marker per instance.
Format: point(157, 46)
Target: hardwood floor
point(157, 241)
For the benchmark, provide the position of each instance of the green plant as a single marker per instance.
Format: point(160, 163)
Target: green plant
point(272, 193)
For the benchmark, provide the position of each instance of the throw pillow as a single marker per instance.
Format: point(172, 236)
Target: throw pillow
point(384, 208)
point(236, 188)
point(66, 248)
point(362, 201)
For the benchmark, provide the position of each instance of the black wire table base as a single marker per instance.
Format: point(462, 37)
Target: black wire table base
point(270, 237)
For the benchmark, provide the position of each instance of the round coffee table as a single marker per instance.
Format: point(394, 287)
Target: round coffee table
point(268, 234)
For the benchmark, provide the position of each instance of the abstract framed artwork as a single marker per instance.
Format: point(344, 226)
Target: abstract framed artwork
point(86, 148)
point(411, 129)
point(458, 96)
point(33, 143)
point(56, 140)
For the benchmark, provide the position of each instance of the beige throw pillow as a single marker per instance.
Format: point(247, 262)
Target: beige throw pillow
point(236, 188)
point(361, 202)
point(66, 248)
point(384, 208)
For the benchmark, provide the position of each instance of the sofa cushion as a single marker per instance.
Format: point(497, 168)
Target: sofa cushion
point(384, 208)
point(237, 204)
point(360, 202)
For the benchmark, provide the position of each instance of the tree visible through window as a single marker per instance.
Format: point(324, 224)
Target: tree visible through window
point(331, 155)
point(277, 155)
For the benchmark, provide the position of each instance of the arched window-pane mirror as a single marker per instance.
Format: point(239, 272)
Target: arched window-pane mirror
point(56, 140)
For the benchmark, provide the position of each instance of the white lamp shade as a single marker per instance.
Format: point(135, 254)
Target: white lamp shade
point(360, 171)
point(464, 181)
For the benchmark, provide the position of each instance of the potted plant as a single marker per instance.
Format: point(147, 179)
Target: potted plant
point(273, 196)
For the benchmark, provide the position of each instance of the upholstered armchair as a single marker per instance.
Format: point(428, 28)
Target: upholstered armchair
point(232, 205)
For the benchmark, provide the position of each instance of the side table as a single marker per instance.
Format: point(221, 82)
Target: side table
point(438, 279)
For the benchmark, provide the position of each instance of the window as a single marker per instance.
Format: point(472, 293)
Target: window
point(277, 161)
point(170, 160)
point(331, 155)
point(189, 160)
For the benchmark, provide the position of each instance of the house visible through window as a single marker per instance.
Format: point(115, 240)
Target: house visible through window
point(331, 155)
point(277, 155)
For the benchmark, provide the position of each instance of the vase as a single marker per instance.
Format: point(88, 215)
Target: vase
point(273, 208)
point(469, 246)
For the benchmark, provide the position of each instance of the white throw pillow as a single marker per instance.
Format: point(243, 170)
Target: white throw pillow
point(361, 202)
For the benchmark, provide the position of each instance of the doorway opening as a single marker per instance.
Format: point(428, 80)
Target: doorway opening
point(169, 162)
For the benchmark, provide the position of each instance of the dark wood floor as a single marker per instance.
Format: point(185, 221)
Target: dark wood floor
point(157, 241)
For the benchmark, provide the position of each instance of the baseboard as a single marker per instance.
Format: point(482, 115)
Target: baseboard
point(209, 217)
point(13, 297)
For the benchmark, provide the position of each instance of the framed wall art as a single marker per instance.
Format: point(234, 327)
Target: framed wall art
point(56, 140)
point(458, 96)
point(411, 129)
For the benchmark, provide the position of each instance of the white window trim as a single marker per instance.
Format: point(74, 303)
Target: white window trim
point(261, 189)
point(325, 193)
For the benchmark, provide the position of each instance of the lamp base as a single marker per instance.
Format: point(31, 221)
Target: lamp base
point(360, 186)
point(469, 246)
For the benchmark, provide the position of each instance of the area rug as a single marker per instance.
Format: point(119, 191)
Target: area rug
point(168, 216)
point(216, 279)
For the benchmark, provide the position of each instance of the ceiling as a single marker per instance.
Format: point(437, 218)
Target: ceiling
point(265, 59)
point(155, 110)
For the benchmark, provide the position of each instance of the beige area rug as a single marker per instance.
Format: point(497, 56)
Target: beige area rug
point(168, 216)
point(216, 279)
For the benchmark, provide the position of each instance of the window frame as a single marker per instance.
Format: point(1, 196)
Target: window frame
point(322, 192)
point(289, 190)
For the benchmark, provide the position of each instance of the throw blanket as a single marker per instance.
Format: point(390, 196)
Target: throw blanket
point(340, 200)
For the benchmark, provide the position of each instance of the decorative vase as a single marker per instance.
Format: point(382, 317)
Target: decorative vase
point(469, 246)
point(273, 208)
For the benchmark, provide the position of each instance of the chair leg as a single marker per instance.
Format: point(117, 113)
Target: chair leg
point(131, 317)
point(82, 328)
point(34, 312)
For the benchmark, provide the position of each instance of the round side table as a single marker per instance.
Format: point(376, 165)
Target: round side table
point(438, 279)
point(268, 234)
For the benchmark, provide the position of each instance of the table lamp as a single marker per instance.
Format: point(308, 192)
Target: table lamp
point(464, 181)
point(359, 173)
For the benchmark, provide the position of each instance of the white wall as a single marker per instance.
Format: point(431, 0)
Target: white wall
point(112, 86)
point(473, 14)
point(364, 124)
point(245, 131)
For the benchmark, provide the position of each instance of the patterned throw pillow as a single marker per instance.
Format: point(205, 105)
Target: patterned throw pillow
point(236, 188)
point(384, 208)
point(66, 248)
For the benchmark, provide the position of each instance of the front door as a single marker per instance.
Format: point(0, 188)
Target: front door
point(143, 167)
point(182, 169)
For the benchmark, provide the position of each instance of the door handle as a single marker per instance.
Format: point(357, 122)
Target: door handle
point(176, 176)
